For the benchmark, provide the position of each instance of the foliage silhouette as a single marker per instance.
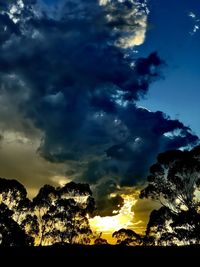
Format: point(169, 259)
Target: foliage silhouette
point(55, 215)
point(127, 237)
point(13, 194)
point(174, 181)
point(60, 215)
point(100, 241)
point(11, 234)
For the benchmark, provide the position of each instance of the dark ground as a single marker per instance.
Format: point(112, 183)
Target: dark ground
point(99, 256)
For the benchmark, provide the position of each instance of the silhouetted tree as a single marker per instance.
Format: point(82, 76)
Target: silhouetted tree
point(56, 215)
point(187, 227)
point(127, 237)
point(174, 181)
point(158, 226)
point(14, 196)
point(62, 213)
point(41, 205)
point(11, 234)
point(100, 241)
point(30, 225)
point(12, 193)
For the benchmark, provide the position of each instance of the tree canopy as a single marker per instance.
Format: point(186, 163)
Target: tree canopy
point(60, 215)
point(55, 215)
point(174, 181)
point(127, 237)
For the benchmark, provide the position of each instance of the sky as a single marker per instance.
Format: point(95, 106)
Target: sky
point(172, 32)
point(92, 91)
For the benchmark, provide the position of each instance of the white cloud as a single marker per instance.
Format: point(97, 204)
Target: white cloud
point(129, 20)
point(136, 37)
point(15, 11)
point(192, 15)
point(196, 21)
point(103, 2)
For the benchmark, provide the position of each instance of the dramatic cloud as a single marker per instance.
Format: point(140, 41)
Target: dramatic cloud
point(19, 160)
point(68, 76)
point(129, 19)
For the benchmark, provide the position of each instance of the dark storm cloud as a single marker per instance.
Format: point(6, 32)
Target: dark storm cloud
point(105, 201)
point(79, 88)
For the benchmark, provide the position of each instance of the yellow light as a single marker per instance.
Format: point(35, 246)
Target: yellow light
point(123, 219)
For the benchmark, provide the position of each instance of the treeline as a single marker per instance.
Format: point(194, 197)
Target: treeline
point(174, 182)
point(61, 215)
point(55, 215)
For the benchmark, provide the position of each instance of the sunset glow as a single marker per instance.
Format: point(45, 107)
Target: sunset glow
point(99, 126)
point(124, 219)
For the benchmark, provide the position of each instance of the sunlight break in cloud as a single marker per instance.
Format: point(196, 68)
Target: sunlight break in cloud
point(66, 81)
point(124, 218)
point(130, 23)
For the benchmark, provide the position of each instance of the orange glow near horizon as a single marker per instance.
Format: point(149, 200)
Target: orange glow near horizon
point(124, 219)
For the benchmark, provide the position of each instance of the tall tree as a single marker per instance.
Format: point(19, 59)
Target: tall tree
point(55, 214)
point(12, 193)
point(13, 197)
point(174, 181)
point(62, 213)
point(11, 234)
